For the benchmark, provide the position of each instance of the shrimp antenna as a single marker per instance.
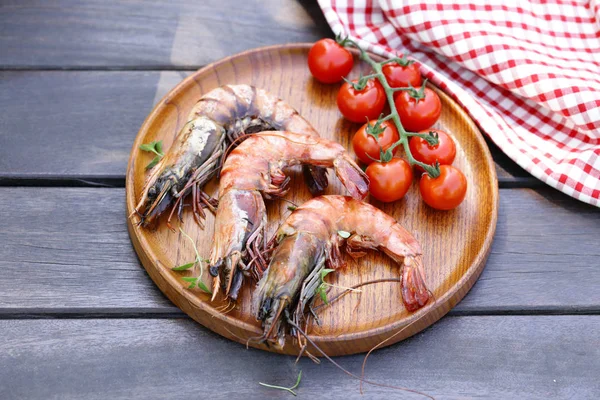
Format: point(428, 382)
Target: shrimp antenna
point(250, 339)
point(331, 360)
point(364, 364)
point(352, 288)
point(234, 143)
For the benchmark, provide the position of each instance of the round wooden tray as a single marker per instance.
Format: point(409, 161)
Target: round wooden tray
point(455, 243)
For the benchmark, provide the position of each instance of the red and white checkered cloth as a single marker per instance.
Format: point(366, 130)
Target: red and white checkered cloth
point(527, 72)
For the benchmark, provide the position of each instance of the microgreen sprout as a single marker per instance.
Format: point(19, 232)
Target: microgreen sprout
point(194, 281)
point(321, 290)
point(156, 148)
point(290, 389)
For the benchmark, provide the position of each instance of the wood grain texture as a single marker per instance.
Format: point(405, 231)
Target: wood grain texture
point(76, 128)
point(150, 34)
point(71, 124)
point(456, 243)
point(68, 252)
point(543, 357)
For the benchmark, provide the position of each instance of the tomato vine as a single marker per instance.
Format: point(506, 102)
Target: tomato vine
point(417, 94)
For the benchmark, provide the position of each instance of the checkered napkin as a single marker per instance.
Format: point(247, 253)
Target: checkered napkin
point(528, 72)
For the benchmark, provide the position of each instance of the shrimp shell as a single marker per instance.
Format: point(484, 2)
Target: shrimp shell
point(309, 240)
point(217, 121)
point(256, 169)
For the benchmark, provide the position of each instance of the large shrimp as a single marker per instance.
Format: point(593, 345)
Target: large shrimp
point(309, 239)
point(219, 118)
point(253, 170)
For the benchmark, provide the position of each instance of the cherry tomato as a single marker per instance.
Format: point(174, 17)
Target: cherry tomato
point(328, 61)
point(418, 115)
point(402, 76)
point(391, 180)
point(357, 106)
point(366, 148)
point(444, 152)
point(446, 191)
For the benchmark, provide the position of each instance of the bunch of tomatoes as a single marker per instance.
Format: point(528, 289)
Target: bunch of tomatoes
point(415, 109)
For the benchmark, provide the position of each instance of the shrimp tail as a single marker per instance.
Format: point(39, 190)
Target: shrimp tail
point(414, 292)
point(353, 178)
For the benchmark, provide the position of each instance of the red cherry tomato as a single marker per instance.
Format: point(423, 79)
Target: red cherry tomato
point(418, 115)
point(402, 76)
point(357, 106)
point(328, 61)
point(389, 181)
point(366, 148)
point(446, 191)
point(444, 152)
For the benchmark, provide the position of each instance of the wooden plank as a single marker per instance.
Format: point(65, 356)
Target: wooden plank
point(72, 128)
point(67, 251)
point(150, 34)
point(71, 123)
point(533, 357)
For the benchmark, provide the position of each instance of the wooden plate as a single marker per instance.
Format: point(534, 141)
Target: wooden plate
point(455, 243)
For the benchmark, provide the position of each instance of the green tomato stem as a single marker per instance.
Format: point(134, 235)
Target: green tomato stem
point(400, 89)
point(429, 138)
point(433, 171)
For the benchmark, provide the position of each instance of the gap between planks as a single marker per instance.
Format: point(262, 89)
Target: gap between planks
point(135, 313)
point(108, 68)
point(119, 181)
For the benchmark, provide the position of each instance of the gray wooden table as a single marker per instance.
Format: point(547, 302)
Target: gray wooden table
point(80, 318)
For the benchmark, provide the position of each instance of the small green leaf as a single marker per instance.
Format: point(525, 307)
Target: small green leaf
point(154, 161)
point(344, 234)
point(184, 266)
point(148, 147)
point(325, 272)
point(292, 208)
point(158, 147)
point(192, 280)
point(203, 286)
point(323, 294)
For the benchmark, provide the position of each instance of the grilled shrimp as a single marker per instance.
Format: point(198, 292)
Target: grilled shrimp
point(219, 118)
point(253, 170)
point(309, 239)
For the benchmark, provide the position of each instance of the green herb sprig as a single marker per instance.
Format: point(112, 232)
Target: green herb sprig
point(290, 389)
point(193, 280)
point(156, 148)
point(322, 288)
